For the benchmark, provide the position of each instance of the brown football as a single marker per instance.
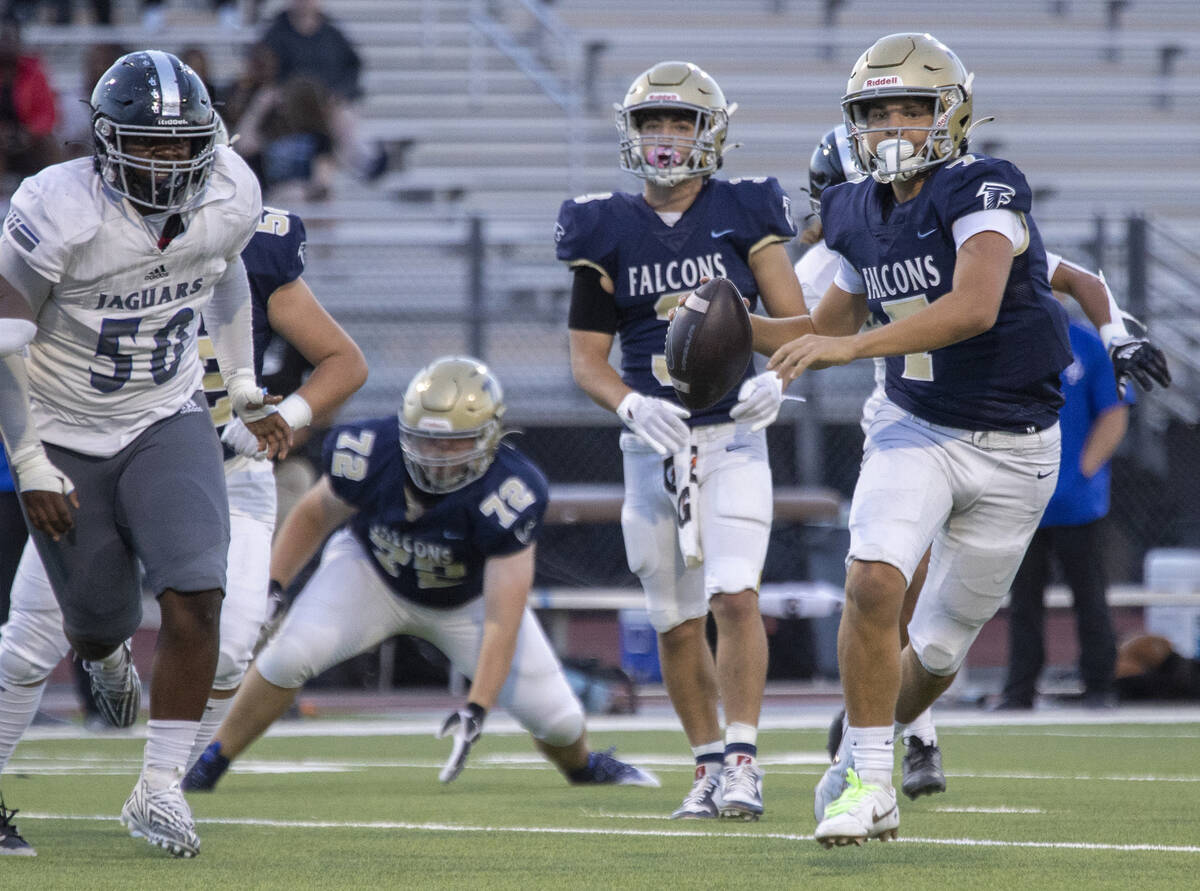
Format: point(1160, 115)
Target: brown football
point(708, 344)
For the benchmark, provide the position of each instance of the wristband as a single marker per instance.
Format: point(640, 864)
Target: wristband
point(296, 411)
point(1113, 330)
point(478, 712)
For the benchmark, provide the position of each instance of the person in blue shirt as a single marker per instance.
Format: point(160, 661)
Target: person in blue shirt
point(439, 523)
point(633, 255)
point(1093, 420)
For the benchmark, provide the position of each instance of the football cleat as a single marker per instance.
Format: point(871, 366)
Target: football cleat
point(701, 802)
point(118, 703)
point(863, 811)
point(11, 842)
point(602, 767)
point(162, 817)
point(209, 767)
point(741, 790)
point(833, 781)
point(922, 769)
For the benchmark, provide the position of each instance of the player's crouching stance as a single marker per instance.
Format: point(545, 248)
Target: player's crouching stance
point(441, 519)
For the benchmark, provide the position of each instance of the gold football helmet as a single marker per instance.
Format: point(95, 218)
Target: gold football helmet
point(908, 66)
point(450, 423)
point(664, 159)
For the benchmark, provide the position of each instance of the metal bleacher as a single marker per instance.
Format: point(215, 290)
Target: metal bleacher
point(498, 109)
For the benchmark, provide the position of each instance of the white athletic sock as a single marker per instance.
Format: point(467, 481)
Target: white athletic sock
point(18, 705)
point(737, 732)
point(215, 711)
point(710, 755)
point(168, 744)
point(921, 727)
point(111, 668)
point(871, 753)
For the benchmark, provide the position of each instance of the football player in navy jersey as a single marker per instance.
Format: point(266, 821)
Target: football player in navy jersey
point(937, 245)
point(440, 523)
point(832, 162)
point(633, 256)
point(33, 642)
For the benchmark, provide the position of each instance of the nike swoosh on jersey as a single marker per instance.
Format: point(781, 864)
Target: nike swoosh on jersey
point(736, 446)
point(716, 234)
point(1042, 476)
point(926, 234)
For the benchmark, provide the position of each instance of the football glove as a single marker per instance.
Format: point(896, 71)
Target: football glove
point(1138, 358)
point(465, 726)
point(247, 397)
point(239, 438)
point(657, 422)
point(758, 401)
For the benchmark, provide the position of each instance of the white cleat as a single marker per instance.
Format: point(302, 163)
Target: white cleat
point(161, 816)
point(830, 787)
point(863, 812)
point(118, 703)
point(700, 803)
point(741, 790)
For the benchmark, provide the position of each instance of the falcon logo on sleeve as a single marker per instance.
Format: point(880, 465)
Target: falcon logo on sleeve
point(995, 195)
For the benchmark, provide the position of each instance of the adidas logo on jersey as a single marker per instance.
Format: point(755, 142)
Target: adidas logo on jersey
point(159, 271)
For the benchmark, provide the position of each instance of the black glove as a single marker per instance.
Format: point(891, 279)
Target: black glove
point(1138, 358)
point(466, 726)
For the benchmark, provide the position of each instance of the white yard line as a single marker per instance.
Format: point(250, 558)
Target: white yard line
point(656, 833)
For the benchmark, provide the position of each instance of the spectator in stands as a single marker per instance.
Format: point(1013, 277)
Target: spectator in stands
point(27, 109)
point(196, 58)
point(26, 11)
point(252, 90)
point(307, 42)
point(297, 143)
point(75, 123)
point(1148, 668)
point(1093, 421)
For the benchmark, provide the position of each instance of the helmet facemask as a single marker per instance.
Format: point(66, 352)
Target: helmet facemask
point(667, 159)
point(154, 183)
point(899, 159)
point(450, 424)
point(832, 163)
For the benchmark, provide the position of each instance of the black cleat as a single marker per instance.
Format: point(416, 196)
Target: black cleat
point(836, 729)
point(10, 840)
point(922, 770)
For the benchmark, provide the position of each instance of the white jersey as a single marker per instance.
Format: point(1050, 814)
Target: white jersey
point(116, 344)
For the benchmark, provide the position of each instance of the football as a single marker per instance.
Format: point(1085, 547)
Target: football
point(708, 344)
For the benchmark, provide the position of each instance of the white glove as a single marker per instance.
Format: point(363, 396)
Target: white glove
point(239, 438)
point(659, 423)
point(35, 472)
point(244, 391)
point(758, 401)
point(465, 726)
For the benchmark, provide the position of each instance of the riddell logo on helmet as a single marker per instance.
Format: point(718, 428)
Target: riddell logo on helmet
point(171, 122)
point(892, 80)
point(663, 97)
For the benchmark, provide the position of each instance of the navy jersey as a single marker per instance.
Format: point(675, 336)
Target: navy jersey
point(274, 257)
point(651, 264)
point(432, 549)
point(1006, 378)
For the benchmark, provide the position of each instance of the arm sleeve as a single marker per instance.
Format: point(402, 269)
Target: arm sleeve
point(16, 422)
point(1006, 222)
point(228, 320)
point(592, 308)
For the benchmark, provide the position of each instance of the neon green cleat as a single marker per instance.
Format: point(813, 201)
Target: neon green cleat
point(862, 812)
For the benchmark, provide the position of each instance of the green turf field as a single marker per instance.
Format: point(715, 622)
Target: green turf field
point(1027, 807)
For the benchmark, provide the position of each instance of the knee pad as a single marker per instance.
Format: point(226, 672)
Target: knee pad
point(32, 643)
point(285, 662)
point(231, 668)
point(563, 727)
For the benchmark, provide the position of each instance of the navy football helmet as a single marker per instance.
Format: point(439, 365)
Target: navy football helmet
point(831, 163)
point(150, 97)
